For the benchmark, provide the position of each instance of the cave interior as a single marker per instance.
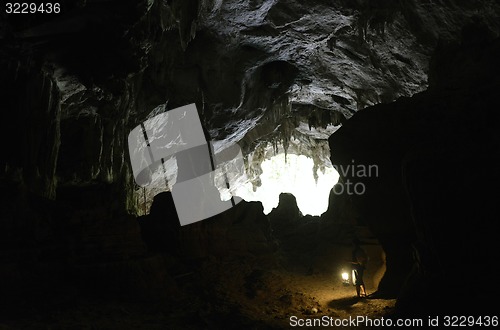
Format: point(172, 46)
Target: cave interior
point(387, 106)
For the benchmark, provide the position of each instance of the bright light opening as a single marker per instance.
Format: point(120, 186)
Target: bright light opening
point(295, 176)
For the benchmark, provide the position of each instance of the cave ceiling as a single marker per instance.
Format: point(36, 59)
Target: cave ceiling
point(271, 75)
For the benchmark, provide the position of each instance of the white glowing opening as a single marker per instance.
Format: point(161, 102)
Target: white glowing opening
point(295, 176)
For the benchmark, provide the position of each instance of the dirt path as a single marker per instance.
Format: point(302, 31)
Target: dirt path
point(316, 296)
point(272, 297)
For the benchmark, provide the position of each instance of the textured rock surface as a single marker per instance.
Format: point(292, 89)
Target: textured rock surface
point(432, 205)
point(256, 69)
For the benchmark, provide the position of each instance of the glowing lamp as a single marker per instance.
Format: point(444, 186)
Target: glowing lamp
point(345, 278)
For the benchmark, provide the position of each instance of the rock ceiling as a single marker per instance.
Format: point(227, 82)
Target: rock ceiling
point(271, 75)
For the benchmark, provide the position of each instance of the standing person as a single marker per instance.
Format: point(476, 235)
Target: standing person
point(359, 260)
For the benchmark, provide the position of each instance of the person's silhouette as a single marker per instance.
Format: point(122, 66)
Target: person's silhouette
point(359, 260)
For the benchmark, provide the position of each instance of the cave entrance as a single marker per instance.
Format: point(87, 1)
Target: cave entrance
point(294, 174)
point(304, 171)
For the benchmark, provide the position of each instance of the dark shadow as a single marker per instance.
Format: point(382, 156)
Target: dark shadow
point(160, 228)
point(345, 303)
point(381, 295)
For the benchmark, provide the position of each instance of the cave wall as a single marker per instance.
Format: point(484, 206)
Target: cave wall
point(432, 206)
point(71, 88)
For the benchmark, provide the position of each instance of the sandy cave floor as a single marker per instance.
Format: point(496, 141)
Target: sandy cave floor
point(272, 297)
point(229, 295)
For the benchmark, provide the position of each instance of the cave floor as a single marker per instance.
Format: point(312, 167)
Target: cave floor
point(230, 295)
point(334, 299)
point(273, 296)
